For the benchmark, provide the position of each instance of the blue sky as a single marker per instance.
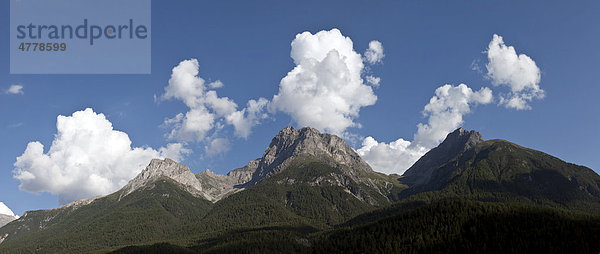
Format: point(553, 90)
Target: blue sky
point(247, 47)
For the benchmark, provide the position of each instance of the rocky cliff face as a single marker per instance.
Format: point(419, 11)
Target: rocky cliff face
point(219, 186)
point(455, 143)
point(291, 143)
point(287, 146)
point(166, 168)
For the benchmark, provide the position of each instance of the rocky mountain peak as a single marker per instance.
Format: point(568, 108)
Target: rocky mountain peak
point(455, 143)
point(288, 145)
point(462, 140)
point(208, 172)
point(165, 168)
point(291, 143)
point(218, 186)
point(168, 168)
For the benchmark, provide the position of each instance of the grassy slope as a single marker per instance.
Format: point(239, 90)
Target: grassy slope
point(141, 217)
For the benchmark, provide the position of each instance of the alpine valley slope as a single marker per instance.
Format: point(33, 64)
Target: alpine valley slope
point(305, 179)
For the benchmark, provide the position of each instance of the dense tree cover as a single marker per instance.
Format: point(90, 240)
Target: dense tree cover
point(157, 248)
point(460, 226)
point(452, 226)
point(289, 198)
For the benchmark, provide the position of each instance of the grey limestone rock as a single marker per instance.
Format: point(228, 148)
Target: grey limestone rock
point(292, 143)
point(165, 168)
point(219, 186)
point(285, 147)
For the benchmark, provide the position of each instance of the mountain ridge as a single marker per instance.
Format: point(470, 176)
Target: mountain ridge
point(288, 145)
point(306, 178)
point(308, 182)
point(167, 168)
point(501, 171)
point(219, 186)
point(455, 143)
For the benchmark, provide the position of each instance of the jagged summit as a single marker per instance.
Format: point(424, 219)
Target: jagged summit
point(219, 186)
point(291, 143)
point(463, 139)
point(165, 168)
point(288, 145)
point(455, 143)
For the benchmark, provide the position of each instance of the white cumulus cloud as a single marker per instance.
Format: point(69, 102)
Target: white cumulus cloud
point(217, 146)
point(446, 109)
point(518, 72)
point(87, 158)
point(325, 89)
point(374, 81)
point(174, 151)
point(245, 119)
point(5, 210)
point(445, 112)
point(374, 53)
point(395, 157)
point(207, 110)
point(15, 89)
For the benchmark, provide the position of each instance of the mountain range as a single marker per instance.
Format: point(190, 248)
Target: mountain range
point(311, 192)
